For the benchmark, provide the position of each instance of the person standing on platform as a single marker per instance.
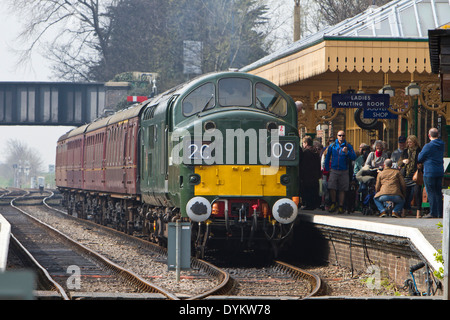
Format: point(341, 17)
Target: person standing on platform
point(310, 175)
point(364, 151)
point(395, 156)
point(341, 154)
point(432, 157)
point(408, 165)
point(325, 175)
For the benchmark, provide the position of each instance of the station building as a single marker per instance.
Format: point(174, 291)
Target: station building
point(381, 50)
point(398, 49)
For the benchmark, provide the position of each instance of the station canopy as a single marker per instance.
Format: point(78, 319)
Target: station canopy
point(390, 38)
point(382, 47)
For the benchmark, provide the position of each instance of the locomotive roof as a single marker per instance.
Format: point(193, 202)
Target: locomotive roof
point(188, 84)
point(135, 110)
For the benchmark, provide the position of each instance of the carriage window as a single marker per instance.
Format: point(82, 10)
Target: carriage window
point(202, 98)
point(235, 92)
point(270, 100)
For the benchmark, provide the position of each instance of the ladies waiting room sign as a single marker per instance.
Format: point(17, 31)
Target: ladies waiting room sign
point(375, 105)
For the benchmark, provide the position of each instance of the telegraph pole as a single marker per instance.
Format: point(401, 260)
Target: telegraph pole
point(297, 20)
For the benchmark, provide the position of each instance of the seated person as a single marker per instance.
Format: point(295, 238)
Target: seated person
point(376, 158)
point(361, 171)
point(390, 186)
point(374, 163)
point(361, 160)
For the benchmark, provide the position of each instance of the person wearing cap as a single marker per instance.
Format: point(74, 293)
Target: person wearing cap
point(395, 156)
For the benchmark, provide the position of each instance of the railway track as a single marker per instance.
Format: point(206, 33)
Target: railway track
point(63, 264)
point(297, 283)
point(299, 274)
point(278, 280)
point(132, 253)
point(309, 284)
point(201, 269)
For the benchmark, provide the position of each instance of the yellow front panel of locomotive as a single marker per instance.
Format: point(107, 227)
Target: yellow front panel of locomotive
point(244, 180)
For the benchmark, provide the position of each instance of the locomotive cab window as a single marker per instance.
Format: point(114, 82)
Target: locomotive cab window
point(235, 92)
point(202, 98)
point(270, 100)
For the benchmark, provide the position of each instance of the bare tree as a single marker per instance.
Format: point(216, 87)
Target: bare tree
point(22, 161)
point(331, 12)
point(224, 33)
point(279, 26)
point(89, 34)
point(80, 30)
point(314, 16)
point(18, 151)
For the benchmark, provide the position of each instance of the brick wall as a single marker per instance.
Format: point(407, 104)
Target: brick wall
point(358, 251)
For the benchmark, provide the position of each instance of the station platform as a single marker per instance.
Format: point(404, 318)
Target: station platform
point(423, 233)
point(5, 231)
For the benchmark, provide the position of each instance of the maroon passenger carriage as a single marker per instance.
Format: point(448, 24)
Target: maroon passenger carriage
point(96, 168)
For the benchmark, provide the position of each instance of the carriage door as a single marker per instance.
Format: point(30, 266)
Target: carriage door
point(150, 154)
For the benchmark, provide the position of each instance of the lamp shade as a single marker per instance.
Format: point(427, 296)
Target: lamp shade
point(387, 89)
point(320, 105)
point(413, 89)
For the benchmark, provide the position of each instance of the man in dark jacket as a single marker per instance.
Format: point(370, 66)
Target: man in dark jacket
point(341, 153)
point(432, 157)
point(310, 174)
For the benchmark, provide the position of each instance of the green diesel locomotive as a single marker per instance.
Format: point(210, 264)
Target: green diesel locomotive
point(221, 151)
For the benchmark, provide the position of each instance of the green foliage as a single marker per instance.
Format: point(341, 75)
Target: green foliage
point(381, 284)
point(148, 36)
point(439, 258)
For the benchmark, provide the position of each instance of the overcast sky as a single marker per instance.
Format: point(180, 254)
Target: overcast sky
point(42, 139)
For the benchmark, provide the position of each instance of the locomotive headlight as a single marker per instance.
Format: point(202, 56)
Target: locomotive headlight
point(198, 209)
point(285, 179)
point(194, 179)
point(285, 211)
point(210, 125)
point(271, 126)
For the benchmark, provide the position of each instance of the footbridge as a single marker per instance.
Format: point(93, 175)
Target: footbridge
point(51, 103)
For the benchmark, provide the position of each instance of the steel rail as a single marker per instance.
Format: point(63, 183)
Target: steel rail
point(43, 277)
point(297, 273)
point(225, 285)
point(128, 275)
